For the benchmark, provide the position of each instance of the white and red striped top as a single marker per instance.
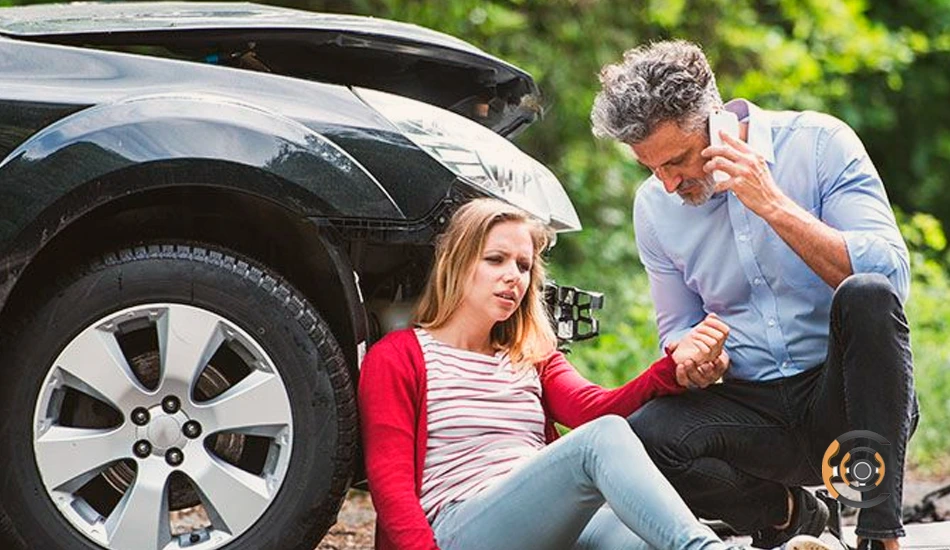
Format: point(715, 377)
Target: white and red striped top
point(484, 417)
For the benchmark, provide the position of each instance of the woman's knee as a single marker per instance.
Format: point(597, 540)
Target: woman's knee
point(612, 429)
point(611, 423)
point(607, 426)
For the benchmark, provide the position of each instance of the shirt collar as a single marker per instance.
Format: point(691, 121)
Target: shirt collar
point(760, 127)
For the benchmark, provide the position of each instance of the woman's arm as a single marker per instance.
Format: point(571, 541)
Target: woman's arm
point(388, 401)
point(572, 400)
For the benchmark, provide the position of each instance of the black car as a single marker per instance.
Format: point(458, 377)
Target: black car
point(207, 213)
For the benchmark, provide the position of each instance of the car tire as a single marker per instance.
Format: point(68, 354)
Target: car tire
point(269, 475)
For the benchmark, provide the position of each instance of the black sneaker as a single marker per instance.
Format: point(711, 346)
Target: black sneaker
point(809, 517)
point(868, 544)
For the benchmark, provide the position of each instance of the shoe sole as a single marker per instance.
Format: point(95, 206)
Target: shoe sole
point(806, 543)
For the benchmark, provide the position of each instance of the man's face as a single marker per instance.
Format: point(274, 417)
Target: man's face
point(673, 155)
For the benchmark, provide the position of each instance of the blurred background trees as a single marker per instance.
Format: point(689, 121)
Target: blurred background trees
point(881, 65)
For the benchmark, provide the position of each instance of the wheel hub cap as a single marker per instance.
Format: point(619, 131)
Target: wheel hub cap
point(164, 431)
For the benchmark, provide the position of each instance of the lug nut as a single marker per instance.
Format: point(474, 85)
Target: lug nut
point(191, 429)
point(140, 416)
point(174, 456)
point(171, 404)
point(142, 448)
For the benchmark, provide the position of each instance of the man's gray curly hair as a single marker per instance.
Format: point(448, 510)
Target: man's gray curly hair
point(659, 82)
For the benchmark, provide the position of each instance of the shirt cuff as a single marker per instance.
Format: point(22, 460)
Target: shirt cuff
point(869, 253)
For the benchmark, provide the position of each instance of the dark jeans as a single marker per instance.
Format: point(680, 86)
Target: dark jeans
point(731, 449)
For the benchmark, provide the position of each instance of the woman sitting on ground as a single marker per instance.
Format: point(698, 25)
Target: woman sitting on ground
point(457, 414)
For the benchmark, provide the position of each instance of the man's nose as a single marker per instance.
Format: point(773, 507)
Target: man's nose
point(670, 181)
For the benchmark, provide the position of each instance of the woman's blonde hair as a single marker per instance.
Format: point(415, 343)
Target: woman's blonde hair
point(526, 335)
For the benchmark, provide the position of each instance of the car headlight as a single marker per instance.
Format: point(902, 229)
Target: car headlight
point(479, 157)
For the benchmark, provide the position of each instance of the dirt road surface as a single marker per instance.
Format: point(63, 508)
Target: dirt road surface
point(357, 520)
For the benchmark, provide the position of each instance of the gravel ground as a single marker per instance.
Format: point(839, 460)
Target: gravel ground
point(354, 530)
point(354, 526)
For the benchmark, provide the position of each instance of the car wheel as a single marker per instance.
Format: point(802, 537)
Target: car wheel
point(173, 396)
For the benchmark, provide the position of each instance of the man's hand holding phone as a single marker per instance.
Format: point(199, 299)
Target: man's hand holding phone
point(736, 167)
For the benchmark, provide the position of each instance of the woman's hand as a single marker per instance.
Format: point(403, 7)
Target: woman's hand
point(699, 356)
point(691, 375)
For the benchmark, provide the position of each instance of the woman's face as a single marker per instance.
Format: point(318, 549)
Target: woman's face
point(502, 272)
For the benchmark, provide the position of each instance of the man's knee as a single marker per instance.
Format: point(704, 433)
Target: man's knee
point(866, 294)
point(644, 422)
point(655, 425)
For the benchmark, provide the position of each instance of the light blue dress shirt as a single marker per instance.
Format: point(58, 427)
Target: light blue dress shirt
point(721, 258)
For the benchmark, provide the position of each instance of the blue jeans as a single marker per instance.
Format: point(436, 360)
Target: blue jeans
point(557, 500)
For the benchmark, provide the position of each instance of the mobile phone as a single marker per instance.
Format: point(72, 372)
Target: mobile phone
point(725, 121)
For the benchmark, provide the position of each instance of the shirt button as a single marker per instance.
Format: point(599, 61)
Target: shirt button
point(757, 280)
point(771, 322)
point(743, 237)
point(784, 364)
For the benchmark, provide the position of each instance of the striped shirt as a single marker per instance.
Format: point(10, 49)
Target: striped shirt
point(484, 418)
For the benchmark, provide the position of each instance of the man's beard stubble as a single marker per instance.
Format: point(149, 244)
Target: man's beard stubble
point(699, 190)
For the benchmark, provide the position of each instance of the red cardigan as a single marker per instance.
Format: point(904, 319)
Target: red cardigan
point(392, 401)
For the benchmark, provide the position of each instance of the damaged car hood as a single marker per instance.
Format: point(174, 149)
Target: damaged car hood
point(352, 50)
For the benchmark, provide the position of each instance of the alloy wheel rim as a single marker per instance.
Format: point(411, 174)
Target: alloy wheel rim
point(162, 426)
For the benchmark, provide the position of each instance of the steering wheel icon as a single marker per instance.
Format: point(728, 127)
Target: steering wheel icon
point(861, 468)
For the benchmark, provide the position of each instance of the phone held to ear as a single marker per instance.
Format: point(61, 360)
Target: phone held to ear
point(727, 122)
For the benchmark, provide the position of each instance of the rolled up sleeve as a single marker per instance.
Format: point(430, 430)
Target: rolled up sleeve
point(870, 253)
point(855, 202)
